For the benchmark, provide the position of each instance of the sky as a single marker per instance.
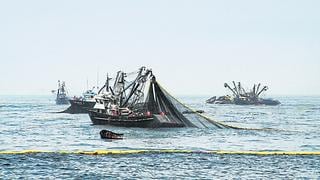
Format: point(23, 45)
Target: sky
point(193, 47)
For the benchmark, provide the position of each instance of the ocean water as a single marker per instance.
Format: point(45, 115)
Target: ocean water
point(30, 122)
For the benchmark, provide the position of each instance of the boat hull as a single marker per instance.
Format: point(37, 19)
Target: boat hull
point(125, 121)
point(270, 102)
point(79, 106)
point(103, 119)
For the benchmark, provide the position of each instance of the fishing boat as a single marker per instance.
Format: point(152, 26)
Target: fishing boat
point(62, 97)
point(241, 97)
point(137, 100)
point(81, 105)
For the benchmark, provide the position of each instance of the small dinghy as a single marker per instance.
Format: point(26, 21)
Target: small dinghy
point(105, 134)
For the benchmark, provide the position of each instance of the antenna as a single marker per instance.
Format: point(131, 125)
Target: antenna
point(107, 83)
point(87, 84)
point(98, 79)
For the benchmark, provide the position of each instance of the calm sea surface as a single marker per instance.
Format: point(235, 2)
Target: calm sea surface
point(30, 122)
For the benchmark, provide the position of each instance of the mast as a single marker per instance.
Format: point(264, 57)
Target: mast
point(116, 80)
point(107, 83)
point(87, 84)
point(98, 79)
point(227, 86)
point(263, 89)
point(235, 88)
point(137, 85)
point(58, 92)
point(121, 88)
point(257, 89)
point(239, 88)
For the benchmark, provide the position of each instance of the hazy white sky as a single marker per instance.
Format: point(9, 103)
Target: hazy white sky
point(193, 47)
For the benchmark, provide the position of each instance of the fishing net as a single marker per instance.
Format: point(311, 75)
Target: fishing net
point(170, 110)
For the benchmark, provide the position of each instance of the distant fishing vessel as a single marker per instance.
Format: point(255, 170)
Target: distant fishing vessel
point(142, 102)
point(82, 104)
point(62, 94)
point(241, 97)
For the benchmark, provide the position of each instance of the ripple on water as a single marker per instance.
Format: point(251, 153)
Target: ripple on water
point(28, 123)
point(158, 166)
